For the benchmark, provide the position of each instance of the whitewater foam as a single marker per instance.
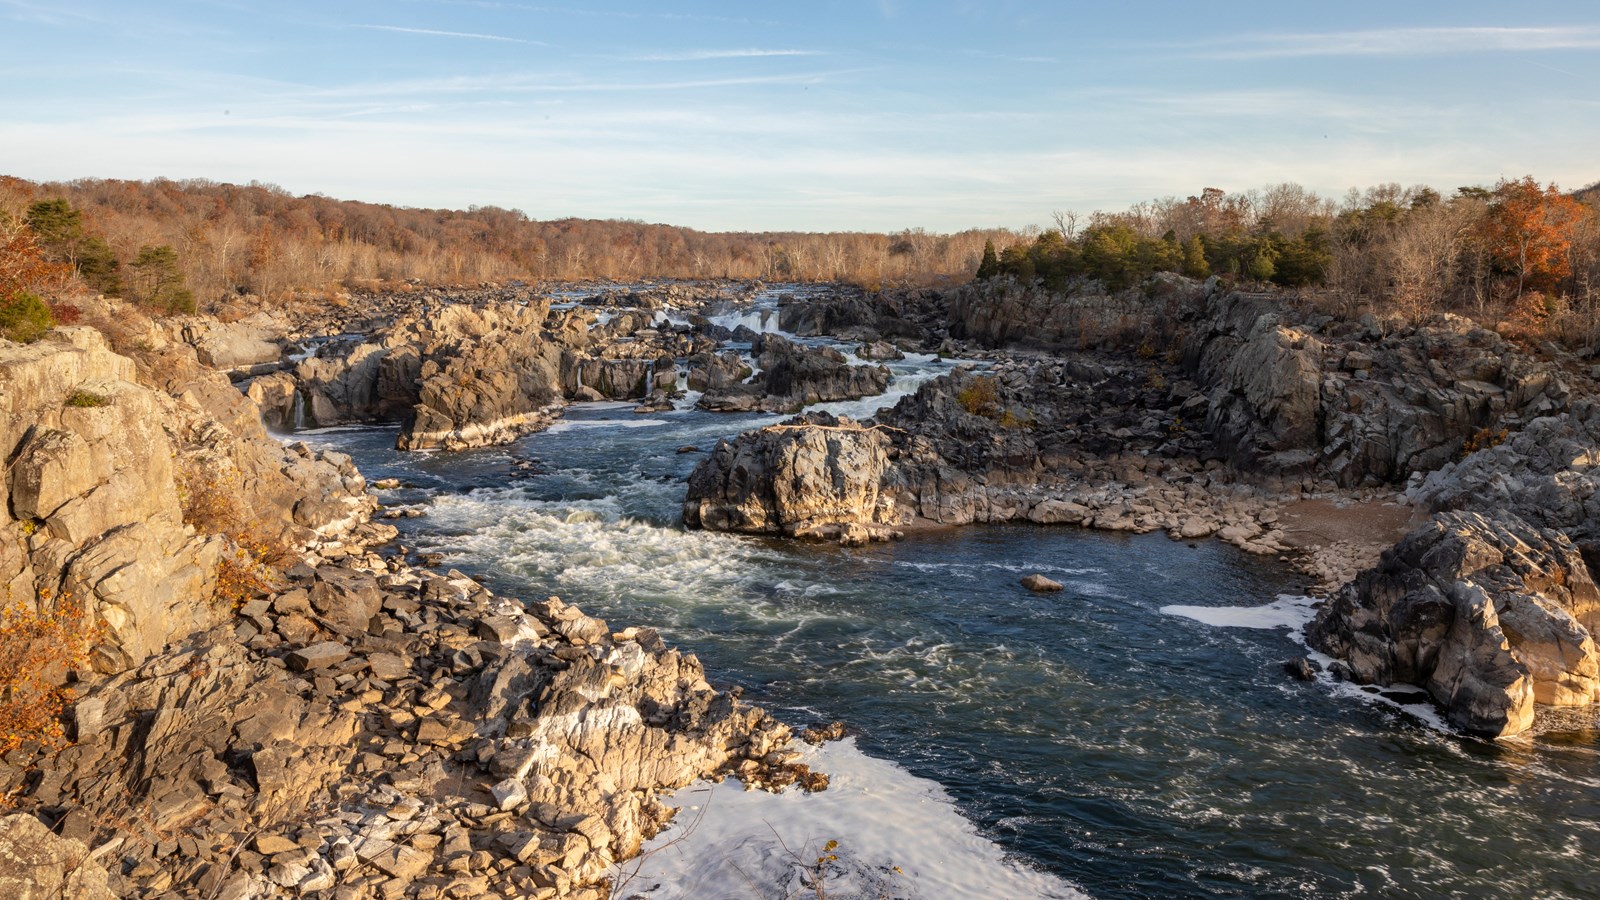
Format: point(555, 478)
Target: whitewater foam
point(1285, 612)
point(897, 836)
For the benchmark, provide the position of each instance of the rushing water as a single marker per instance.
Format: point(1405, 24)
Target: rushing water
point(1131, 736)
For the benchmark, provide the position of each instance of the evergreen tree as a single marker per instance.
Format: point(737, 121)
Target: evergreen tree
point(158, 283)
point(1194, 258)
point(59, 228)
point(990, 267)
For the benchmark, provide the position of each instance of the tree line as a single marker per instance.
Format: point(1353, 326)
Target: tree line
point(1520, 251)
point(170, 243)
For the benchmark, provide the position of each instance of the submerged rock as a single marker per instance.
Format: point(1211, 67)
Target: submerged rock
point(1040, 584)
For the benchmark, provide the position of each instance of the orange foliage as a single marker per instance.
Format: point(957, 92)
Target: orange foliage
point(23, 268)
point(37, 646)
point(211, 503)
point(1530, 230)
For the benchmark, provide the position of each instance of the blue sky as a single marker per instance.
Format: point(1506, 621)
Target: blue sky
point(831, 115)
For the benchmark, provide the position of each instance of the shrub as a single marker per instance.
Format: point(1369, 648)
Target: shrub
point(83, 399)
point(65, 313)
point(981, 396)
point(24, 318)
point(211, 503)
point(36, 647)
point(1483, 439)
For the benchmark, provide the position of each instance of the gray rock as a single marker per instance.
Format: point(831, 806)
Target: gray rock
point(318, 656)
point(37, 865)
point(1489, 615)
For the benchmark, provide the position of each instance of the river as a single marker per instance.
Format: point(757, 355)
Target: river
point(1131, 736)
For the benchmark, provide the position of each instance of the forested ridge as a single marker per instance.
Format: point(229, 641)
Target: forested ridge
point(259, 239)
point(1520, 251)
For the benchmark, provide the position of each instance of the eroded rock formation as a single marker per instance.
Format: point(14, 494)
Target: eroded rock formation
point(1490, 615)
point(814, 476)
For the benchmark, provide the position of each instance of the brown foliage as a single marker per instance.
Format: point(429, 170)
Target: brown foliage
point(259, 239)
point(38, 645)
point(211, 503)
point(1529, 232)
point(23, 267)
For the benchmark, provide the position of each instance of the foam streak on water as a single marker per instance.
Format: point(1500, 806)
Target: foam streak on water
point(897, 836)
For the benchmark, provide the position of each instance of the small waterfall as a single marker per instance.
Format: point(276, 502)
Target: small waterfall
point(298, 416)
point(650, 379)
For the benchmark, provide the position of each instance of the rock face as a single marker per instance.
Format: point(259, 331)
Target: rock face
point(1489, 615)
point(906, 317)
point(1545, 474)
point(476, 368)
point(814, 476)
point(94, 486)
point(242, 347)
point(462, 740)
point(37, 865)
point(1292, 393)
point(487, 376)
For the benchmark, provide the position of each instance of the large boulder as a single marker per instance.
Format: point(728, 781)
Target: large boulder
point(38, 865)
point(488, 375)
point(813, 476)
point(1490, 615)
point(1267, 378)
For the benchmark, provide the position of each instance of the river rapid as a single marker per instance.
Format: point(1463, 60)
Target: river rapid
point(1131, 736)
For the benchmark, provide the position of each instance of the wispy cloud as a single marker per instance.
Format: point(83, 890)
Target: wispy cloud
point(453, 34)
point(697, 55)
point(1401, 42)
point(607, 13)
point(48, 15)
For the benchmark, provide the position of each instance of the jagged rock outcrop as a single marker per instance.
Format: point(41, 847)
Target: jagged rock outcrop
point(904, 317)
point(1545, 474)
point(1293, 394)
point(1002, 312)
point(475, 369)
point(716, 371)
point(1490, 615)
point(458, 742)
point(246, 347)
point(814, 476)
point(487, 377)
point(97, 473)
point(792, 376)
point(38, 865)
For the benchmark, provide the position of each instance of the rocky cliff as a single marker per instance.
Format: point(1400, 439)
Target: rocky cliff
point(354, 727)
point(97, 478)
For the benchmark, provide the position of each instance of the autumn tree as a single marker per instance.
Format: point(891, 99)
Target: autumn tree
point(24, 274)
point(1529, 232)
